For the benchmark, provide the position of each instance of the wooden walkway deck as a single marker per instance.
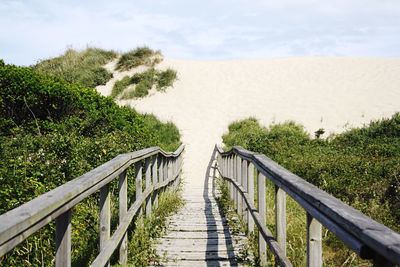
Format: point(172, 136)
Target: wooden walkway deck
point(199, 235)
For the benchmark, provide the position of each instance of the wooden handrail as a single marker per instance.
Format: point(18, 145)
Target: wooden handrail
point(368, 238)
point(18, 224)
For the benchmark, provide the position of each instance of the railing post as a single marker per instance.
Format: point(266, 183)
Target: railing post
point(230, 175)
point(63, 240)
point(239, 181)
point(244, 183)
point(234, 175)
point(138, 182)
point(262, 210)
point(250, 189)
point(155, 181)
point(148, 184)
point(123, 208)
point(280, 217)
point(105, 217)
point(314, 242)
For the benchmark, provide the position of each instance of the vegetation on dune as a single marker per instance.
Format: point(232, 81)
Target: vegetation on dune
point(81, 67)
point(165, 79)
point(143, 82)
point(361, 167)
point(51, 132)
point(139, 56)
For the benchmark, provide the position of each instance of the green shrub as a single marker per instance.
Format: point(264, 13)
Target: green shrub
point(81, 67)
point(52, 132)
point(120, 86)
point(360, 167)
point(137, 57)
point(165, 79)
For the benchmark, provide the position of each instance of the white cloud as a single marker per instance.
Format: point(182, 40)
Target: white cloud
point(34, 29)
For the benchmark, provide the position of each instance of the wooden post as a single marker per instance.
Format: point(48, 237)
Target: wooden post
point(250, 189)
point(234, 176)
point(314, 242)
point(280, 217)
point(244, 183)
point(239, 198)
point(63, 240)
point(262, 210)
point(230, 160)
point(105, 217)
point(155, 181)
point(148, 184)
point(123, 208)
point(138, 182)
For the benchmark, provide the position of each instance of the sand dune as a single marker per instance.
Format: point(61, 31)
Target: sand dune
point(329, 93)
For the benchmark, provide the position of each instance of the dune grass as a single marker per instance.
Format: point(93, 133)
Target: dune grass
point(139, 56)
point(143, 82)
point(165, 79)
point(81, 67)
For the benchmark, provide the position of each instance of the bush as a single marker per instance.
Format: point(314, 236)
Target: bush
point(137, 57)
point(360, 167)
point(52, 132)
point(81, 67)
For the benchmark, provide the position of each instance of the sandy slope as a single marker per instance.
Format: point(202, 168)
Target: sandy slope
point(329, 93)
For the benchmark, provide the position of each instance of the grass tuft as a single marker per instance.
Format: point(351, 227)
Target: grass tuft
point(165, 79)
point(139, 56)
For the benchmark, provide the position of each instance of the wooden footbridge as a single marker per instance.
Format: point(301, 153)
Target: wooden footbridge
point(199, 235)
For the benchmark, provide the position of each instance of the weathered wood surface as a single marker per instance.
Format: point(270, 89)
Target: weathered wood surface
point(18, 224)
point(198, 234)
point(368, 238)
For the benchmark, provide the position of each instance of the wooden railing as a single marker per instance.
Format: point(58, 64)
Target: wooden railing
point(366, 237)
point(160, 169)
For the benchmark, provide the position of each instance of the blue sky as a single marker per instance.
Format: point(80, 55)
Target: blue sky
point(31, 30)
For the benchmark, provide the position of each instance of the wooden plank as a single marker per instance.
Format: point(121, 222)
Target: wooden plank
point(262, 210)
point(280, 217)
point(147, 167)
point(105, 217)
point(63, 240)
point(245, 186)
point(138, 181)
point(155, 167)
point(250, 189)
point(123, 209)
point(239, 199)
point(314, 242)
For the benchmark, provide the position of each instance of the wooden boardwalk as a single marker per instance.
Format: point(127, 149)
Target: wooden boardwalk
point(199, 235)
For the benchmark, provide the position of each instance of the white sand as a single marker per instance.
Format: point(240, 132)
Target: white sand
point(329, 93)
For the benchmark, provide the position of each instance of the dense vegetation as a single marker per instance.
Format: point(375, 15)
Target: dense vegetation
point(143, 82)
point(361, 167)
point(82, 67)
point(139, 56)
point(51, 132)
